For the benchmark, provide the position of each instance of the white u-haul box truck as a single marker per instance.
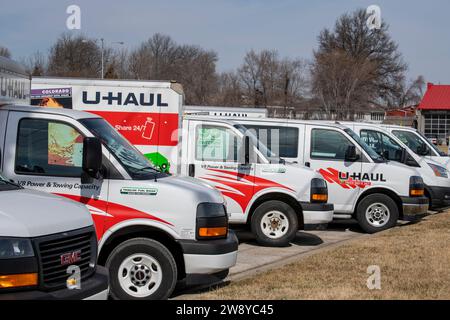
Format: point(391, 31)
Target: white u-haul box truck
point(153, 228)
point(42, 235)
point(274, 198)
point(392, 148)
point(361, 183)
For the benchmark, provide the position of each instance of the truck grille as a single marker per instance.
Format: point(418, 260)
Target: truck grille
point(51, 249)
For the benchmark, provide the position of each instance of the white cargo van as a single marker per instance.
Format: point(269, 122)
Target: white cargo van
point(388, 145)
point(419, 144)
point(153, 228)
point(274, 198)
point(42, 235)
point(361, 183)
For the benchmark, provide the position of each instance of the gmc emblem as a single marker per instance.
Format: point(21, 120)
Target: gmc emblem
point(70, 257)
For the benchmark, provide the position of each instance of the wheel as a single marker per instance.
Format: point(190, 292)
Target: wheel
point(377, 212)
point(274, 223)
point(141, 269)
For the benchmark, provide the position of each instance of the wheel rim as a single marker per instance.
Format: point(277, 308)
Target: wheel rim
point(140, 275)
point(378, 214)
point(274, 224)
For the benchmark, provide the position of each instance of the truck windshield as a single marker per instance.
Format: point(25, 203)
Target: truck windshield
point(434, 147)
point(375, 156)
point(134, 162)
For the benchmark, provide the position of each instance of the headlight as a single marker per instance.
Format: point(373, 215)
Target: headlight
point(416, 186)
point(439, 171)
point(212, 221)
point(319, 190)
point(11, 248)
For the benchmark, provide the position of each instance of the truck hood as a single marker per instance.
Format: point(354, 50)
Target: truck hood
point(200, 190)
point(29, 213)
point(401, 168)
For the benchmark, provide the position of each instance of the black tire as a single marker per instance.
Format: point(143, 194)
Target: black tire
point(288, 212)
point(148, 247)
point(369, 226)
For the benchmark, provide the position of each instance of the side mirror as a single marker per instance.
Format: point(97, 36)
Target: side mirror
point(403, 156)
point(350, 154)
point(386, 154)
point(422, 150)
point(92, 157)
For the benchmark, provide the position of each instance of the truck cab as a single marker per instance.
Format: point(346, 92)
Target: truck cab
point(147, 240)
point(392, 148)
point(361, 184)
point(274, 198)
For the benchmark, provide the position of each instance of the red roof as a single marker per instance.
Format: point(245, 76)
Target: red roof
point(437, 97)
point(409, 111)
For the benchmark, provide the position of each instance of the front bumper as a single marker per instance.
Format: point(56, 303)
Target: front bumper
point(95, 287)
point(413, 206)
point(316, 213)
point(440, 196)
point(209, 256)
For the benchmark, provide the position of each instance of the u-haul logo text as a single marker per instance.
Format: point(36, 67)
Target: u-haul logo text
point(121, 99)
point(351, 180)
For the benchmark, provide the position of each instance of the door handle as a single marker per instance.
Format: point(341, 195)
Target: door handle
point(307, 164)
point(191, 170)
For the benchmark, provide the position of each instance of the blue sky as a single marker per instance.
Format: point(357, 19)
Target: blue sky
point(232, 27)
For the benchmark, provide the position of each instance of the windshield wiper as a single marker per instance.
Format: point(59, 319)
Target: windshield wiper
point(11, 183)
point(155, 171)
point(147, 168)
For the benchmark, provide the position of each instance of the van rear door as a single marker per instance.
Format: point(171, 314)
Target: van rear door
point(326, 150)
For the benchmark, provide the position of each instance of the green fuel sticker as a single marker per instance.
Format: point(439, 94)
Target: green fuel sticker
point(139, 191)
point(274, 169)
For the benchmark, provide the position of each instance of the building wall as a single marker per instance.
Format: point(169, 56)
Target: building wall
point(435, 124)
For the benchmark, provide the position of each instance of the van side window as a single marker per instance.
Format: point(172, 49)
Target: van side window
point(216, 144)
point(413, 142)
point(282, 141)
point(48, 148)
point(382, 144)
point(328, 144)
point(373, 140)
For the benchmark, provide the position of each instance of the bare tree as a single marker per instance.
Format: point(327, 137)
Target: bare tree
point(36, 64)
point(229, 91)
point(355, 46)
point(251, 76)
point(407, 94)
point(268, 80)
point(154, 59)
point(340, 82)
point(76, 57)
point(292, 82)
point(160, 58)
point(4, 52)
